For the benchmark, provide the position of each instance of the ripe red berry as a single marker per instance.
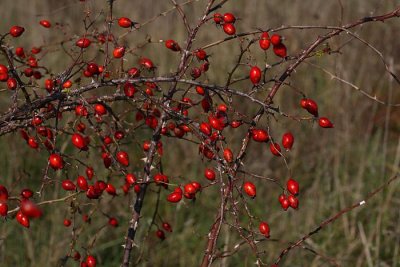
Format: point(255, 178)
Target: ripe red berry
point(28, 208)
point(195, 72)
point(209, 174)
point(280, 50)
point(172, 45)
point(264, 41)
point(189, 189)
point(161, 179)
point(229, 29)
point(45, 23)
point(34, 50)
point(89, 173)
point(229, 18)
point(3, 68)
point(107, 140)
point(28, 72)
point(146, 63)
point(264, 229)
point(310, 105)
point(3, 194)
point(37, 120)
point(3, 209)
point(83, 43)
point(174, 197)
point(160, 234)
point(32, 142)
point(79, 141)
point(37, 75)
point(68, 185)
point(125, 187)
point(19, 51)
point(130, 178)
point(325, 123)
point(216, 123)
point(204, 67)
point(22, 219)
point(134, 72)
point(275, 149)
point(49, 85)
point(236, 123)
point(93, 68)
point(42, 131)
point(197, 186)
point(3, 76)
point(119, 51)
point(129, 90)
point(110, 189)
point(167, 227)
point(82, 183)
point(201, 54)
point(86, 218)
point(123, 158)
point(222, 108)
point(259, 135)
point(284, 202)
point(100, 109)
point(206, 103)
point(205, 128)
point(276, 39)
point(91, 261)
point(67, 84)
point(125, 22)
point(119, 135)
point(218, 18)
point(250, 189)
point(81, 110)
point(26, 193)
point(56, 161)
point(292, 186)
point(16, 31)
point(12, 84)
point(293, 201)
point(93, 192)
point(200, 90)
point(113, 222)
point(255, 75)
point(287, 140)
point(67, 222)
point(228, 155)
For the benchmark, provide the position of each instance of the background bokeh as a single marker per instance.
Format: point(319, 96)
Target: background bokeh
point(335, 168)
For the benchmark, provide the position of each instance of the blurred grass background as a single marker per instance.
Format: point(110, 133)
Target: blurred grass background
point(335, 168)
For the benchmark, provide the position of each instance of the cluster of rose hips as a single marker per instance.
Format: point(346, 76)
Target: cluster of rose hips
point(27, 208)
point(279, 49)
point(261, 135)
point(160, 233)
point(312, 107)
point(292, 187)
point(89, 262)
point(227, 21)
point(276, 40)
point(200, 54)
point(4, 77)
